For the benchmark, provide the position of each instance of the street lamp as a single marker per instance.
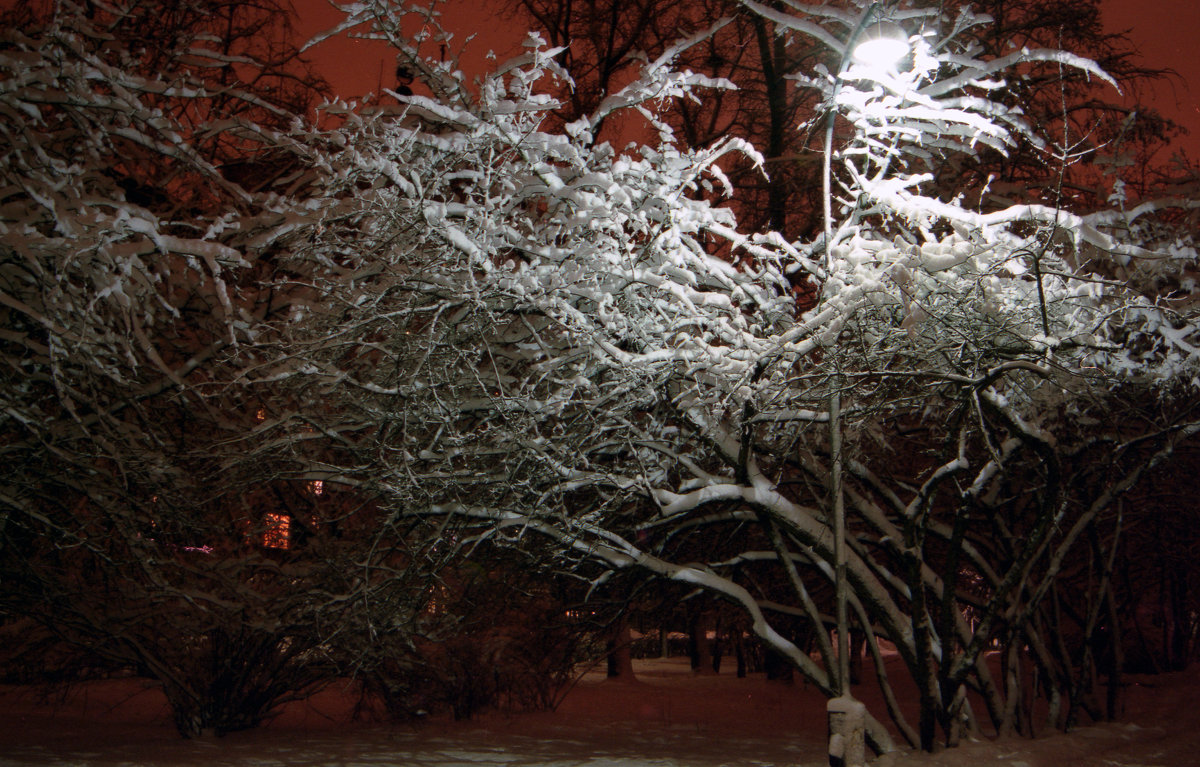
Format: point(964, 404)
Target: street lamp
point(882, 45)
point(879, 45)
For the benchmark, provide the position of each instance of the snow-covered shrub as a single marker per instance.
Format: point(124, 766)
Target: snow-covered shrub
point(129, 274)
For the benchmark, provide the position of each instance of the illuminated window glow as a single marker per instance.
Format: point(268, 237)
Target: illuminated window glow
point(278, 532)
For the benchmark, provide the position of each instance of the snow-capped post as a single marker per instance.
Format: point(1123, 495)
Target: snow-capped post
point(847, 724)
point(882, 49)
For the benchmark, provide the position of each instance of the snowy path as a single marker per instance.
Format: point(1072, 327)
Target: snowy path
point(382, 746)
point(669, 719)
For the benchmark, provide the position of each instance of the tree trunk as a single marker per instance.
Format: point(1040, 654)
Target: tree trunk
point(857, 640)
point(739, 651)
point(718, 648)
point(698, 646)
point(777, 668)
point(619, 649)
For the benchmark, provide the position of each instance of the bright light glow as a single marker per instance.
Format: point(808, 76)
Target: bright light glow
point(880, 51)
point(882, 45)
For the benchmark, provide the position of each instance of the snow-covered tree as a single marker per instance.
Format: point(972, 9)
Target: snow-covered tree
point(438, 325)
point(135, 262)
point(569, 341)
point(1092, 127)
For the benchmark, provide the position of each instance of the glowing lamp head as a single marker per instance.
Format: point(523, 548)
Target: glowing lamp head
point(883, 45)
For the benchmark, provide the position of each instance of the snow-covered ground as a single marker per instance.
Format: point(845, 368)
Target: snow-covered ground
point(667, 718)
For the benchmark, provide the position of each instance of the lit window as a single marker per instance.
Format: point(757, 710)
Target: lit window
point(316, 487)
point(276, 536)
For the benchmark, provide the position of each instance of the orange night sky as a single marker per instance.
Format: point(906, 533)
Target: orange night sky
point(1163, 31)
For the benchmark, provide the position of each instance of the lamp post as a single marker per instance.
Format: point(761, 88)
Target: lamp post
point(881, 45)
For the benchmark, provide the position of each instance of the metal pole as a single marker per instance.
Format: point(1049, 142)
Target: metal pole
point(842, 684)
point(846, 716)
point(839, 540)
